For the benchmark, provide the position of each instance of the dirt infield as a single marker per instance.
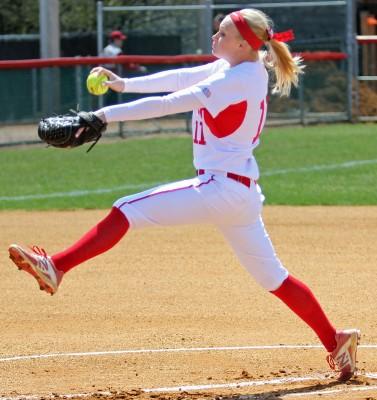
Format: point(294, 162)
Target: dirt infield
point(181, 292)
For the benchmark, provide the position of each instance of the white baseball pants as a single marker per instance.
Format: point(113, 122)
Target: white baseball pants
point(216, 199)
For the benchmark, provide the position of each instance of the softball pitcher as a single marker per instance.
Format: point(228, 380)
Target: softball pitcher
point(228, 101)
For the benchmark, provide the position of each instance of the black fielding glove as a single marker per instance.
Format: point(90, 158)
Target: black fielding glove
point(61, 130)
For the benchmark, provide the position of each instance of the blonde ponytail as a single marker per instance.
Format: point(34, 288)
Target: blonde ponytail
point(278, 58)
point(286, 67)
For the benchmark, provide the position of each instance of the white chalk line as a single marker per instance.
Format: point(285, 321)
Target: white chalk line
point(232, 385)
point(79, 193)
point(60, 396)
point(329, 391)
point(347, 164)
point(171, 350)
point(236, 385)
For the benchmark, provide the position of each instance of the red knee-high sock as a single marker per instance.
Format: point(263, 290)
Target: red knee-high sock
point(99, 239)
point(300, 299)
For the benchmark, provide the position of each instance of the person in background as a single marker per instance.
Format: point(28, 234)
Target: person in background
point(218, 18)
point(115, 47)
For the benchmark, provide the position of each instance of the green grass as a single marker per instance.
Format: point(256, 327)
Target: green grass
point(322, 145)
point(139, 163)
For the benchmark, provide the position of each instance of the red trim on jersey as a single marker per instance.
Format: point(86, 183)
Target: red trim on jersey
point(259, 131)
point(227, 121)
point(238, 178)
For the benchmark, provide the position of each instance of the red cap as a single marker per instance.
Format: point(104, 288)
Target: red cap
point(117, 35)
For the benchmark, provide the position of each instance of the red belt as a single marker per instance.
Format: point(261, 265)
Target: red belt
point(238, 178)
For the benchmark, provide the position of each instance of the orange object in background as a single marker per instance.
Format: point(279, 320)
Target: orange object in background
point(372, 21)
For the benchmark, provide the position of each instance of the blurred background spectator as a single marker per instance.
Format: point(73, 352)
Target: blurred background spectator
point(217, 21)
point(115, 47)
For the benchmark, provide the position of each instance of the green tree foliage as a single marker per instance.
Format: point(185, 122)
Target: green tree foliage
point(19, 16)
point(77, 16)
point(22, 16)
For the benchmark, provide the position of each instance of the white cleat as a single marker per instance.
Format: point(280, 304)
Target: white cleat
point(38, 264)
point(343, 358)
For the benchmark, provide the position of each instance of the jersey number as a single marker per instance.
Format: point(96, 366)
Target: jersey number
point(199, 131)
point(262, 107)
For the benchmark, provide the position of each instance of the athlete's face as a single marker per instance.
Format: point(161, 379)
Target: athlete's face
point(227, 42)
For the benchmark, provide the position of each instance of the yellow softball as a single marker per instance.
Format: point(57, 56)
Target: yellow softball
point(94, 83)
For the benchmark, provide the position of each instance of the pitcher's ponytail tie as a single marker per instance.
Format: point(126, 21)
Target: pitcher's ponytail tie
point(285, 36)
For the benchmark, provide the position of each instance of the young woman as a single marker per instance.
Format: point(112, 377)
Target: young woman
point(228, 100)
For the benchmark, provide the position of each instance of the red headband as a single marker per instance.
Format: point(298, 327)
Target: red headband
point(248, 34)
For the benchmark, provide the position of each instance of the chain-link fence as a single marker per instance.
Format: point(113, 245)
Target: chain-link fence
point(325, 92)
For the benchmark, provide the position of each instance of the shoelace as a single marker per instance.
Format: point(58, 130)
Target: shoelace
point(330, 360)
point(39, 251)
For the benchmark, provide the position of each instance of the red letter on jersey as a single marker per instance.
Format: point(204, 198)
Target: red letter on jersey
point(199, 127)
point(263, 109)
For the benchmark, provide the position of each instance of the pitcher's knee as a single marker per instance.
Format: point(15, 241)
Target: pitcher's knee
point(270, 274)
point(121, 202)
point(119, 206)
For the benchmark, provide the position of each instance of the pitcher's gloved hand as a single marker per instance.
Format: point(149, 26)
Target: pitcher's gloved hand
point(71, 130)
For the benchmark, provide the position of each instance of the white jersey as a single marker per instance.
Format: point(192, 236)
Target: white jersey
point(111, 50)
point(227, 128)
point(229, 110)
